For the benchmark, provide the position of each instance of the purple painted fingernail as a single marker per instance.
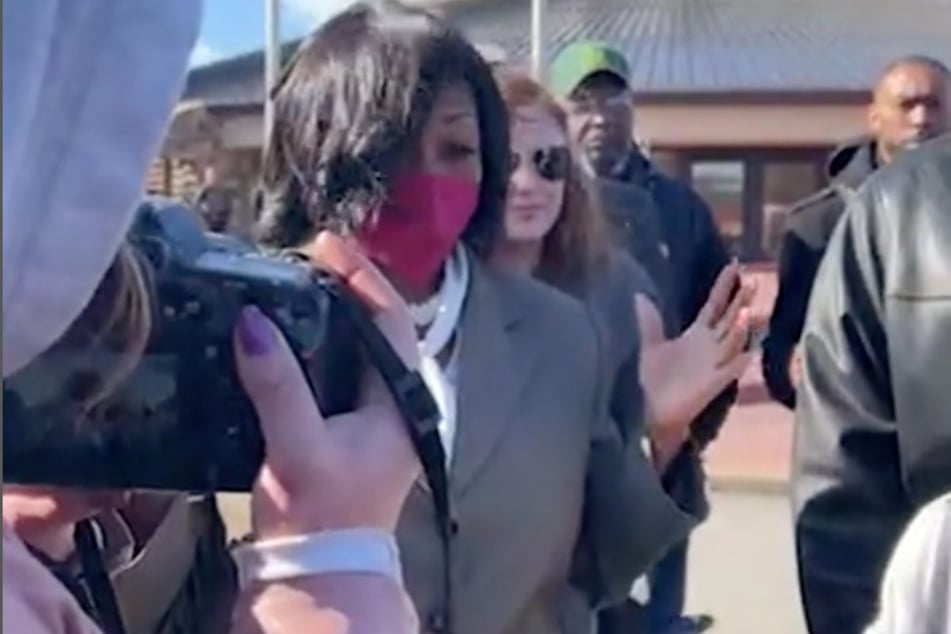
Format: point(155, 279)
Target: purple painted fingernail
point(254, 332)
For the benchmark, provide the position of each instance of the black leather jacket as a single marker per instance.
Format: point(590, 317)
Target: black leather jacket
point(874, 411)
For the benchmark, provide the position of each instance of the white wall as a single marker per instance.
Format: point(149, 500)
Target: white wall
point(747, 125)
point(243, 131)
point(686, 126)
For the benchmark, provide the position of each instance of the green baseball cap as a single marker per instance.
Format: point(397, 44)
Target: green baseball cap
point(576, 62)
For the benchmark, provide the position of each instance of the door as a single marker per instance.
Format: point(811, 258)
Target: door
point(752, 190)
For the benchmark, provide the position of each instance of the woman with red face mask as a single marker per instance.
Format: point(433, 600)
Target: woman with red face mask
point(78, 136)
point(389, 129)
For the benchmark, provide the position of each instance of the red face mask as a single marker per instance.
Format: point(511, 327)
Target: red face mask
point(419, 224)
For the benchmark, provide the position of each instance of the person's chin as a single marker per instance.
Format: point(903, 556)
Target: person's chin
point(525, 233)
point(601, 161)
point(919, 140)
point(594, 153)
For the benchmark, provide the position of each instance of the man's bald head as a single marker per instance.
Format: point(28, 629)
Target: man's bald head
point(911, 103)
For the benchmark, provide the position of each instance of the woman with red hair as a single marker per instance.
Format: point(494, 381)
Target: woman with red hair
point(554, 231)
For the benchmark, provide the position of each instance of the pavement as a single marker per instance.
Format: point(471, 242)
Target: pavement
point(742, 566)
point(754, 449)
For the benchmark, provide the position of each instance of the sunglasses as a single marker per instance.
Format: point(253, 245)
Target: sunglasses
point(587, 102)
point(551, 163)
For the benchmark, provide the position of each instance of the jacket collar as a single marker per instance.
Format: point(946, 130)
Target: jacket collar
point(850, 164)
point(636, 169)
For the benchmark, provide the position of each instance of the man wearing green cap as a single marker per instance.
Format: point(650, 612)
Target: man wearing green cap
point(587, 66)
point(670, 230)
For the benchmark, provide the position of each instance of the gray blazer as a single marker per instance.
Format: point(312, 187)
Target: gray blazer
point(610, 298)
point(536, 458)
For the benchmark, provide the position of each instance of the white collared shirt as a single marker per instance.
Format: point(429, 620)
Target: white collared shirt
point(443, 383)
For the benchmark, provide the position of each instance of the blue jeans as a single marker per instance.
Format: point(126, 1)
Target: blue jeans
point(668, 587)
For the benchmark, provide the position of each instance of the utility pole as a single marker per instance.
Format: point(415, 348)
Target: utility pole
point(538, 39)
point(272, 62)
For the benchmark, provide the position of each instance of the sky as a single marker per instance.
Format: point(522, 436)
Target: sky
point(231, 27)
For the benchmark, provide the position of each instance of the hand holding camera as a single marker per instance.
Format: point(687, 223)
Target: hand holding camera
point(181, 419)
point(354, 469)
point(219, 381)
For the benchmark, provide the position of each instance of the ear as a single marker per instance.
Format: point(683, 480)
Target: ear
point(872, 118)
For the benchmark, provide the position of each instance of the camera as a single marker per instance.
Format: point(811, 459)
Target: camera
point(180, 419)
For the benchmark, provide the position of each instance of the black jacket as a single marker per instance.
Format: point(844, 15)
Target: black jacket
point(635, 222)
point(873, 420)
point(809, 228)
point(670, 231)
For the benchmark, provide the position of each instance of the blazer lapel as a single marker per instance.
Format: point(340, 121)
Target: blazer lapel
point(493, 373)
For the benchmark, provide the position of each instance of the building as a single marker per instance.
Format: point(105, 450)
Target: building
point(745, 98)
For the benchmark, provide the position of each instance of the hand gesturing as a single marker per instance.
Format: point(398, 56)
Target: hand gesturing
point(681, 376)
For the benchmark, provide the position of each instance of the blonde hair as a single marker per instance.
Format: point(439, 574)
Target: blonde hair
point(119, 312)
point(576, 247)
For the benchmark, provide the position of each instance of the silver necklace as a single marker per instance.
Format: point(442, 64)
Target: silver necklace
point(424, 313)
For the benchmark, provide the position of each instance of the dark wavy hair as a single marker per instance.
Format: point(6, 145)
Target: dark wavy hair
point(349, 110)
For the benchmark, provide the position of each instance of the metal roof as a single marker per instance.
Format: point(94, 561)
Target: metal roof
point(733, 45)
point(236, 81)
point(686, 46)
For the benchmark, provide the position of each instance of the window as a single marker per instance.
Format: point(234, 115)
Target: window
point(751, 190)
point(722, 185)
point(667, 161)
point(784, 184)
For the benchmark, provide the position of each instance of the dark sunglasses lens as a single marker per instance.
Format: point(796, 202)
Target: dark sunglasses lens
point(514, 161)
point(552, 163)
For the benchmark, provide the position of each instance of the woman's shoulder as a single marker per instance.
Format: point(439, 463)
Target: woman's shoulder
point(626, 273)
point(611, 291)
point(551, 311)
point(535, 293)
point(611, 297)
point(556, 335)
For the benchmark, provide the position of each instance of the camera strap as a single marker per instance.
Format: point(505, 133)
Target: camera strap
point(87, 580)
point(421, 414)
point(101, 594)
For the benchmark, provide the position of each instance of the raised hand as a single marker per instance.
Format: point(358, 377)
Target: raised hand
point(681, 376)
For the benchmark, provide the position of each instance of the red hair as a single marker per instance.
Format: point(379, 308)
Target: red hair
point(575, 248)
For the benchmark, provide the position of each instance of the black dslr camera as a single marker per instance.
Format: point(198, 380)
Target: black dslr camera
point(180, 419)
